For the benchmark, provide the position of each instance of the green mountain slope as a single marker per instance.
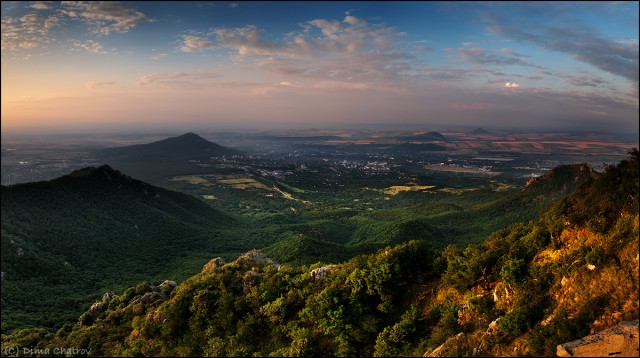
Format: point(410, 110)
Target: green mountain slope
point(525, 289)
point(334, 236)
point(441, 224)
point(92, 230)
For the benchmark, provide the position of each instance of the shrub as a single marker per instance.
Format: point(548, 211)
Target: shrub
point(513, 271)
point(596, 256)
point(514, 323)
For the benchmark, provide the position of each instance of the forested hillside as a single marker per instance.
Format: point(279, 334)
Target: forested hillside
point(525, 289)
point(96, 228)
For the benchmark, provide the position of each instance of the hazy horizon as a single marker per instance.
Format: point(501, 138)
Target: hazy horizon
point(75, 67)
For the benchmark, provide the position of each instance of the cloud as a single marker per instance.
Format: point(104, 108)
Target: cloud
point(159, 56)
point(234, 5)
point(319, 37)
point(348, 51)
point(595, 113)
point(447, 73)
point(586, 81)
point(40, 5)
point(247, 41)
point(469, 106)
point(511, 85)
point(584, 44)
point(178, 79)
point(500, 57)
point(456, 74)
point(368, 67)
point(28, 31)
point(422, 48)
point(89, 46)
point(94, 84)
point(194, 43)
point(529, 107)
point(104, 17)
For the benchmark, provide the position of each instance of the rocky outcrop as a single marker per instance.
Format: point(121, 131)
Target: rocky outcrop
point(106, 298)
point(442, 349)
point(167, 284)
point(165, 287)
point(255, 259)
point(96, 309)
point(213, 264)
point(151, 298)
point(319, 273)
point(620, 340)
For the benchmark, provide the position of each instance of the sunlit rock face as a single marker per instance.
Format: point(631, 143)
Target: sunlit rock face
point(620, 340)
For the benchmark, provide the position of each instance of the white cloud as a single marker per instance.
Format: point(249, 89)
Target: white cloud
point(181, 79)
point(194, 43)
point(89, 46)
point(40, 5)
point(234, 5)
point(584, 44)
point(104, 17)
point(93, 84)
point(351, 52)
point(247, 41)
point(482, 56)
point(159, 56)
point(352, 35)
point(511, 85)
point(28, 31)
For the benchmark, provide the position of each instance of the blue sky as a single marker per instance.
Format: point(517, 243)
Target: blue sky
point(114, 65)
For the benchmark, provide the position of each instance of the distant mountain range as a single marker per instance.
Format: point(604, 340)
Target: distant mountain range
point(92, 230)
point(153, 159)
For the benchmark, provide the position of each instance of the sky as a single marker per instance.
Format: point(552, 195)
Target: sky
point(100, 66)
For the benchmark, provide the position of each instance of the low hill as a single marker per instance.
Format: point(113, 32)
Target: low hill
point(479, 131)
point(300, 249)
point(167, 156)
point(426, 137)
point(92, 230)
point(523, 291)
